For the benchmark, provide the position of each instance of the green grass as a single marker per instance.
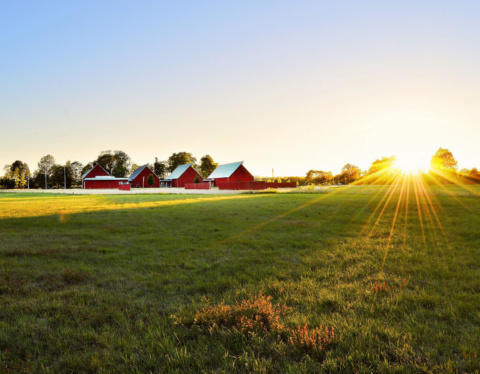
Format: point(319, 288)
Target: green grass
point(90, 283)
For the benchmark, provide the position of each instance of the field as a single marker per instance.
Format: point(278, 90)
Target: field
point(118, 283)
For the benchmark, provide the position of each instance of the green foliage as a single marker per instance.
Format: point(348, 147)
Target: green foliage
point(150, 180)
point(196, 179)
point(116, 163)
point(160, 168)
point(207, 166)
point(180, 158)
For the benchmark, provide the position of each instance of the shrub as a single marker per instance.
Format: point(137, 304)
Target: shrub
point(196, 179)
point(150, 180)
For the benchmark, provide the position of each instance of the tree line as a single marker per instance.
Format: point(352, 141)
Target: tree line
point(443, 169)
point(50, 174)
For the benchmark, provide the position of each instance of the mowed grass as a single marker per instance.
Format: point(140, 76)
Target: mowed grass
point(112, 283)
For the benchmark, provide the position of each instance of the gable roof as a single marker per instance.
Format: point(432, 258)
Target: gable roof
point(225, 170)
point(95, 164)
point(138, 171)
point(178, 172)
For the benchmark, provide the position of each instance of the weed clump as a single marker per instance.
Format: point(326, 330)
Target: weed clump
point(258, 315)
point(385, 288)
point(312, 341)
point(255, 314)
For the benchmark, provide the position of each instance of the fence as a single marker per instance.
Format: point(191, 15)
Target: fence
point(197, 186)
point(124, 187)
point(254, 185)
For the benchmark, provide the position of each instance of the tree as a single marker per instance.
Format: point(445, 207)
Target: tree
point(207, 166)
point(318, 176)
point(180, 158)
point(150, 180)
point(196, 179)
point(45, 165)
point(350, 173)
point(62, 175)
point(77, 171)
point(381, 164)
point(116, 163)
point(18, 172)
point(443, 160)
point(160, 168)
point(134, 167)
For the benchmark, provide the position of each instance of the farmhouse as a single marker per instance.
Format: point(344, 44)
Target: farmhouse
point(139, 177)
point(233, 172)
point(95, 171)
point(102, 182)
point(181, 175)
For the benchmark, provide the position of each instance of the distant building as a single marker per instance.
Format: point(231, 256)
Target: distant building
point(233, 172)
point(103, 182)
point(138, 179)
point(181, 175)
point(96, 171)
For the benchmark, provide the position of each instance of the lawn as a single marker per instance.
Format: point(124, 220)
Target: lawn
point(118, 283)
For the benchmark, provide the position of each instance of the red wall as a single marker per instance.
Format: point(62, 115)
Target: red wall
point(97, 184)
point(96, 171)
point(240, 175)
point(186, 177)
point(138, 181)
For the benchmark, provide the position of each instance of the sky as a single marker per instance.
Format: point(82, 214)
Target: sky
point(283, 85)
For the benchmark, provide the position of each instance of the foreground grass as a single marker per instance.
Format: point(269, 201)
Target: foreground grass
point(113, 283)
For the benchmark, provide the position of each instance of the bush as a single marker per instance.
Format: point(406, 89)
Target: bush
point(196, 179)
point(150, 180)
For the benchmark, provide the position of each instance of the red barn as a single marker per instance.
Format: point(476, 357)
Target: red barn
point(139, 177)
point(95, 171)
point(181, 175)
point(103, 182)
point(234, 172)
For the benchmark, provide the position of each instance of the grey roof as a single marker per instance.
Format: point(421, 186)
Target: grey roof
point(138, 171)
point(177, 173)
point(94, 165)
point(225, 170)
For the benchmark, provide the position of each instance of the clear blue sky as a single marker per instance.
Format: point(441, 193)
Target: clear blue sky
point(290, 85)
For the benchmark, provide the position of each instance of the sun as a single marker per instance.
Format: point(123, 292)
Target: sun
point(409, 164)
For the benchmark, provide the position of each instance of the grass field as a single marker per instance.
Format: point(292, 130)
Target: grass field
point(114, 283)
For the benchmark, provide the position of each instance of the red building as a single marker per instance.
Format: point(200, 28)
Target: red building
point(103, 182)
point(138, 179)
point(181, 175)
point(95, 171)
point(234, 172)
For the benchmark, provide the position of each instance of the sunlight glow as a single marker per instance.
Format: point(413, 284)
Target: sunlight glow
point(409, 164)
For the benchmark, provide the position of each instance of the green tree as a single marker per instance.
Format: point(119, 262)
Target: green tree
point(45, 166)
point(180, 158)
point(150, 180)
point(443, 160)
point(160, 168)
point(196, 179)
point(207, 166)
point(116, 163)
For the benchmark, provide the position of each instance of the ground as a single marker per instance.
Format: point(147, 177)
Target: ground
point(113, 283)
